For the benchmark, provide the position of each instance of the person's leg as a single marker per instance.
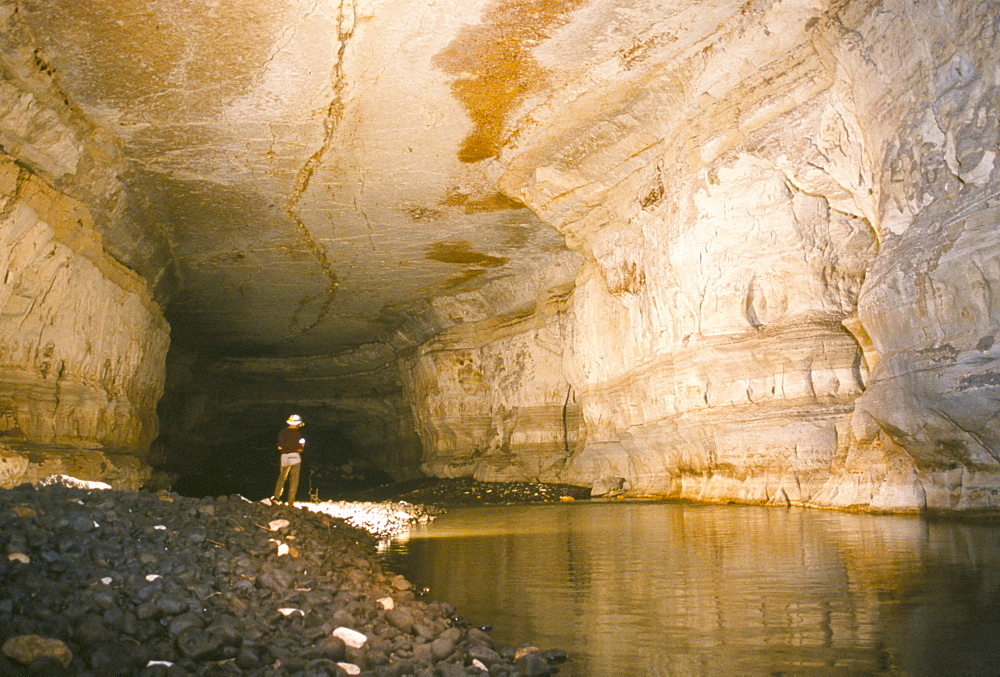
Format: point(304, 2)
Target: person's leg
point(280, 486)
point(293, 487)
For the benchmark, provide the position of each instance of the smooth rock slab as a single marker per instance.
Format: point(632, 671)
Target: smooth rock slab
point(28, 649)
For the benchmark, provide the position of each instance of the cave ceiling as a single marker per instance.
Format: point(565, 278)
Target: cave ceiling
point(322, 169)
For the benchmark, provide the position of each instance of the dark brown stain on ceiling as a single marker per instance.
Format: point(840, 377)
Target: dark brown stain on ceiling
point(494, 202)
point(462, 253)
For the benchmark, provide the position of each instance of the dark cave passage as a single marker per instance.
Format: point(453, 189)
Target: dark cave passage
point(245, 461)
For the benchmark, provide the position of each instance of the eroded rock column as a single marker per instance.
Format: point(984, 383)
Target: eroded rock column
point(926, 432)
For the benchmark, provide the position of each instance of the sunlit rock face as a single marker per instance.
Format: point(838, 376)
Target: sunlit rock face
point(787, 217)
point(929, 417)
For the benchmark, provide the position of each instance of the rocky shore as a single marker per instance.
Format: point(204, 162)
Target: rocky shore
point(108, 582)
point(383, 519)
point(445, 493)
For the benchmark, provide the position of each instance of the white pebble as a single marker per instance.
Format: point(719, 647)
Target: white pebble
point(282, 547)
point(274, 525)
point(387, 603)
point(479, 664)
point(106, 580)
point(18, 557)
point(351, 638)
point(349, 668)
point(288, 611)
point(152, 577)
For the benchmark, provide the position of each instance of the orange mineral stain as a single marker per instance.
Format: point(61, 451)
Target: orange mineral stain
point(494, 68)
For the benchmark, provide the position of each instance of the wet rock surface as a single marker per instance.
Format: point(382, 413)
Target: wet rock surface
point(119, 582)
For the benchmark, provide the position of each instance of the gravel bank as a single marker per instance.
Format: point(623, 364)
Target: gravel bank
point(468, 492)
point(106, 582)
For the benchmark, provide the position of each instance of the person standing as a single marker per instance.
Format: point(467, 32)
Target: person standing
point(291, 444)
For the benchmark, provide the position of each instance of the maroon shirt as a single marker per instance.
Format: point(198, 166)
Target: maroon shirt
point(290, 441)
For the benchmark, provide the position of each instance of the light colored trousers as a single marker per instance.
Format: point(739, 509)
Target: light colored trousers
point(290, 472)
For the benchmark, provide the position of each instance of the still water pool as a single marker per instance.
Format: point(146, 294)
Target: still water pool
point(655, 588)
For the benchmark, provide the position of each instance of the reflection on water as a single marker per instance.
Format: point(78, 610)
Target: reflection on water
point(673, 588)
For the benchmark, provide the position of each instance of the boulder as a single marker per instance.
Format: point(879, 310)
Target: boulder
point(608, 487)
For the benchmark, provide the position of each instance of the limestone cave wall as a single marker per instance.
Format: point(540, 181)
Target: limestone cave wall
point(771, 279)
point(492, 398)
point(83, 343)
point(82, 340)
point(788, 228)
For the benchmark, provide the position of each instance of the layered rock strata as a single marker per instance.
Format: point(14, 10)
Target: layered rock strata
point(786, 212)
point(780, 220)
point(82, 340)
point(491, 398)
point(83, 343)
